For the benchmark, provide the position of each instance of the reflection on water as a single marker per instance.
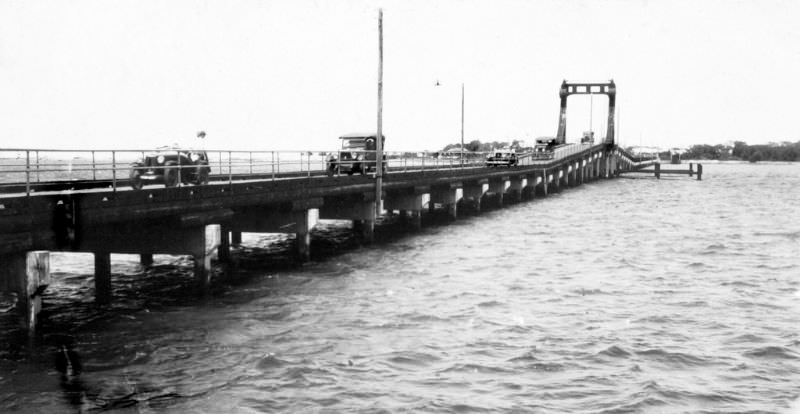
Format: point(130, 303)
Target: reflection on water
point(630, 295)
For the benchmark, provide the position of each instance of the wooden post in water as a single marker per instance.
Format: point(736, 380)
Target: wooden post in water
point(102, 277)
point(35, 279)
point(691, 171)
point(699, 172)
point(303, 233)
point(658, 170)
point(224, 249)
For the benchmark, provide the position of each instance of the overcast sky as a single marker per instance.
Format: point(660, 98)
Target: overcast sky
point(297, 74)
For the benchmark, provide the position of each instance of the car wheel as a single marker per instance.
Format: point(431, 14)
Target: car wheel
point(171, 174)
point(136, 177)
point(202, 174)
point(331, 170)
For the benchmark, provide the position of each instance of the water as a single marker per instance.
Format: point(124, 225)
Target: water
point(622, 296)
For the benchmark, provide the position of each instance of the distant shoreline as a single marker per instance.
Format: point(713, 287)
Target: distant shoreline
point(733, 162)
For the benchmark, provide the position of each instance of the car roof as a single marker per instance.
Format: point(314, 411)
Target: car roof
point(177, 148)
point(363, 135)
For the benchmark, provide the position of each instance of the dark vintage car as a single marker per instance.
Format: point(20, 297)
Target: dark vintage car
point(358, 155)
point(543, 150)
point(171, 167)
point(502, 158)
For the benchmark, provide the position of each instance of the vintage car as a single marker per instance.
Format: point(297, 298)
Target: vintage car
point(543, 150)
point(358, 155)
point(588, 137)
point(171, 166)
point(502, 158)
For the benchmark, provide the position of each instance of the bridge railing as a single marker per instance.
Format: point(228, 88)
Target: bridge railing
point(638, 160)
point(35, 170)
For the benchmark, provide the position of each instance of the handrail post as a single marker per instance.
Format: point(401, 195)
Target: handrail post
point(279, 163)
point(27, 172)
point(220, 163)
point(230, 169)
point(94, 168)
point(37, 166)
point(309, 163)
point(251, 162)
point(114, 170)
point(272, 164)
point(180, 166)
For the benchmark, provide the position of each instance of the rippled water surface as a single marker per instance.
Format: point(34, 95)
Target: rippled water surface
point(628, 295)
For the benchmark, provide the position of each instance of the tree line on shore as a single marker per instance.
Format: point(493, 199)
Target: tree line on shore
point(740, 150)
point(478, 146)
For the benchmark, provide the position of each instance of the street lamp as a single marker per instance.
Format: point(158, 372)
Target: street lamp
point(462, 123)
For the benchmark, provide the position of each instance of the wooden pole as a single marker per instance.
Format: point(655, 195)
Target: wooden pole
point(462, 125)
point(379, 137)
point(699, 172)
point(35, 279)
point(658, 170)
point(102, 277)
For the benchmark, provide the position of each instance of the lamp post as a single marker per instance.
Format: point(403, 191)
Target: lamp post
point(461, 157)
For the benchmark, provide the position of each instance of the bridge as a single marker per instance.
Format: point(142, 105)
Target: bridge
point(104, 216)
point(81, 201)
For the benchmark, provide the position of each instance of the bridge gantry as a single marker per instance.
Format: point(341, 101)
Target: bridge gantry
point(578, 88)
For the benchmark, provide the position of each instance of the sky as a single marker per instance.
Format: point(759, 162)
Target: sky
point(295, 75)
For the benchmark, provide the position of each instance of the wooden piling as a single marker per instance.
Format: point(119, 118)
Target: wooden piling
point(699, 172)
point(102, 277)
point(224, 249)
point(303, 241)
point(33, 281)
point(416, 220)
point(540, 189)
point(658, 170)
point(365, 229)
point(146, 259)
point(452, 210)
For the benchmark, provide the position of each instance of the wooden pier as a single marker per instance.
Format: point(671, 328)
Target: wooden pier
point(657, 171)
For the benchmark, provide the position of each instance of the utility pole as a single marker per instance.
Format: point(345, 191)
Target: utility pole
point(379, 137)
point(462, 125)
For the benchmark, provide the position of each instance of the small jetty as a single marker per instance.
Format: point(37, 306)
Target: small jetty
point(658, 171)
